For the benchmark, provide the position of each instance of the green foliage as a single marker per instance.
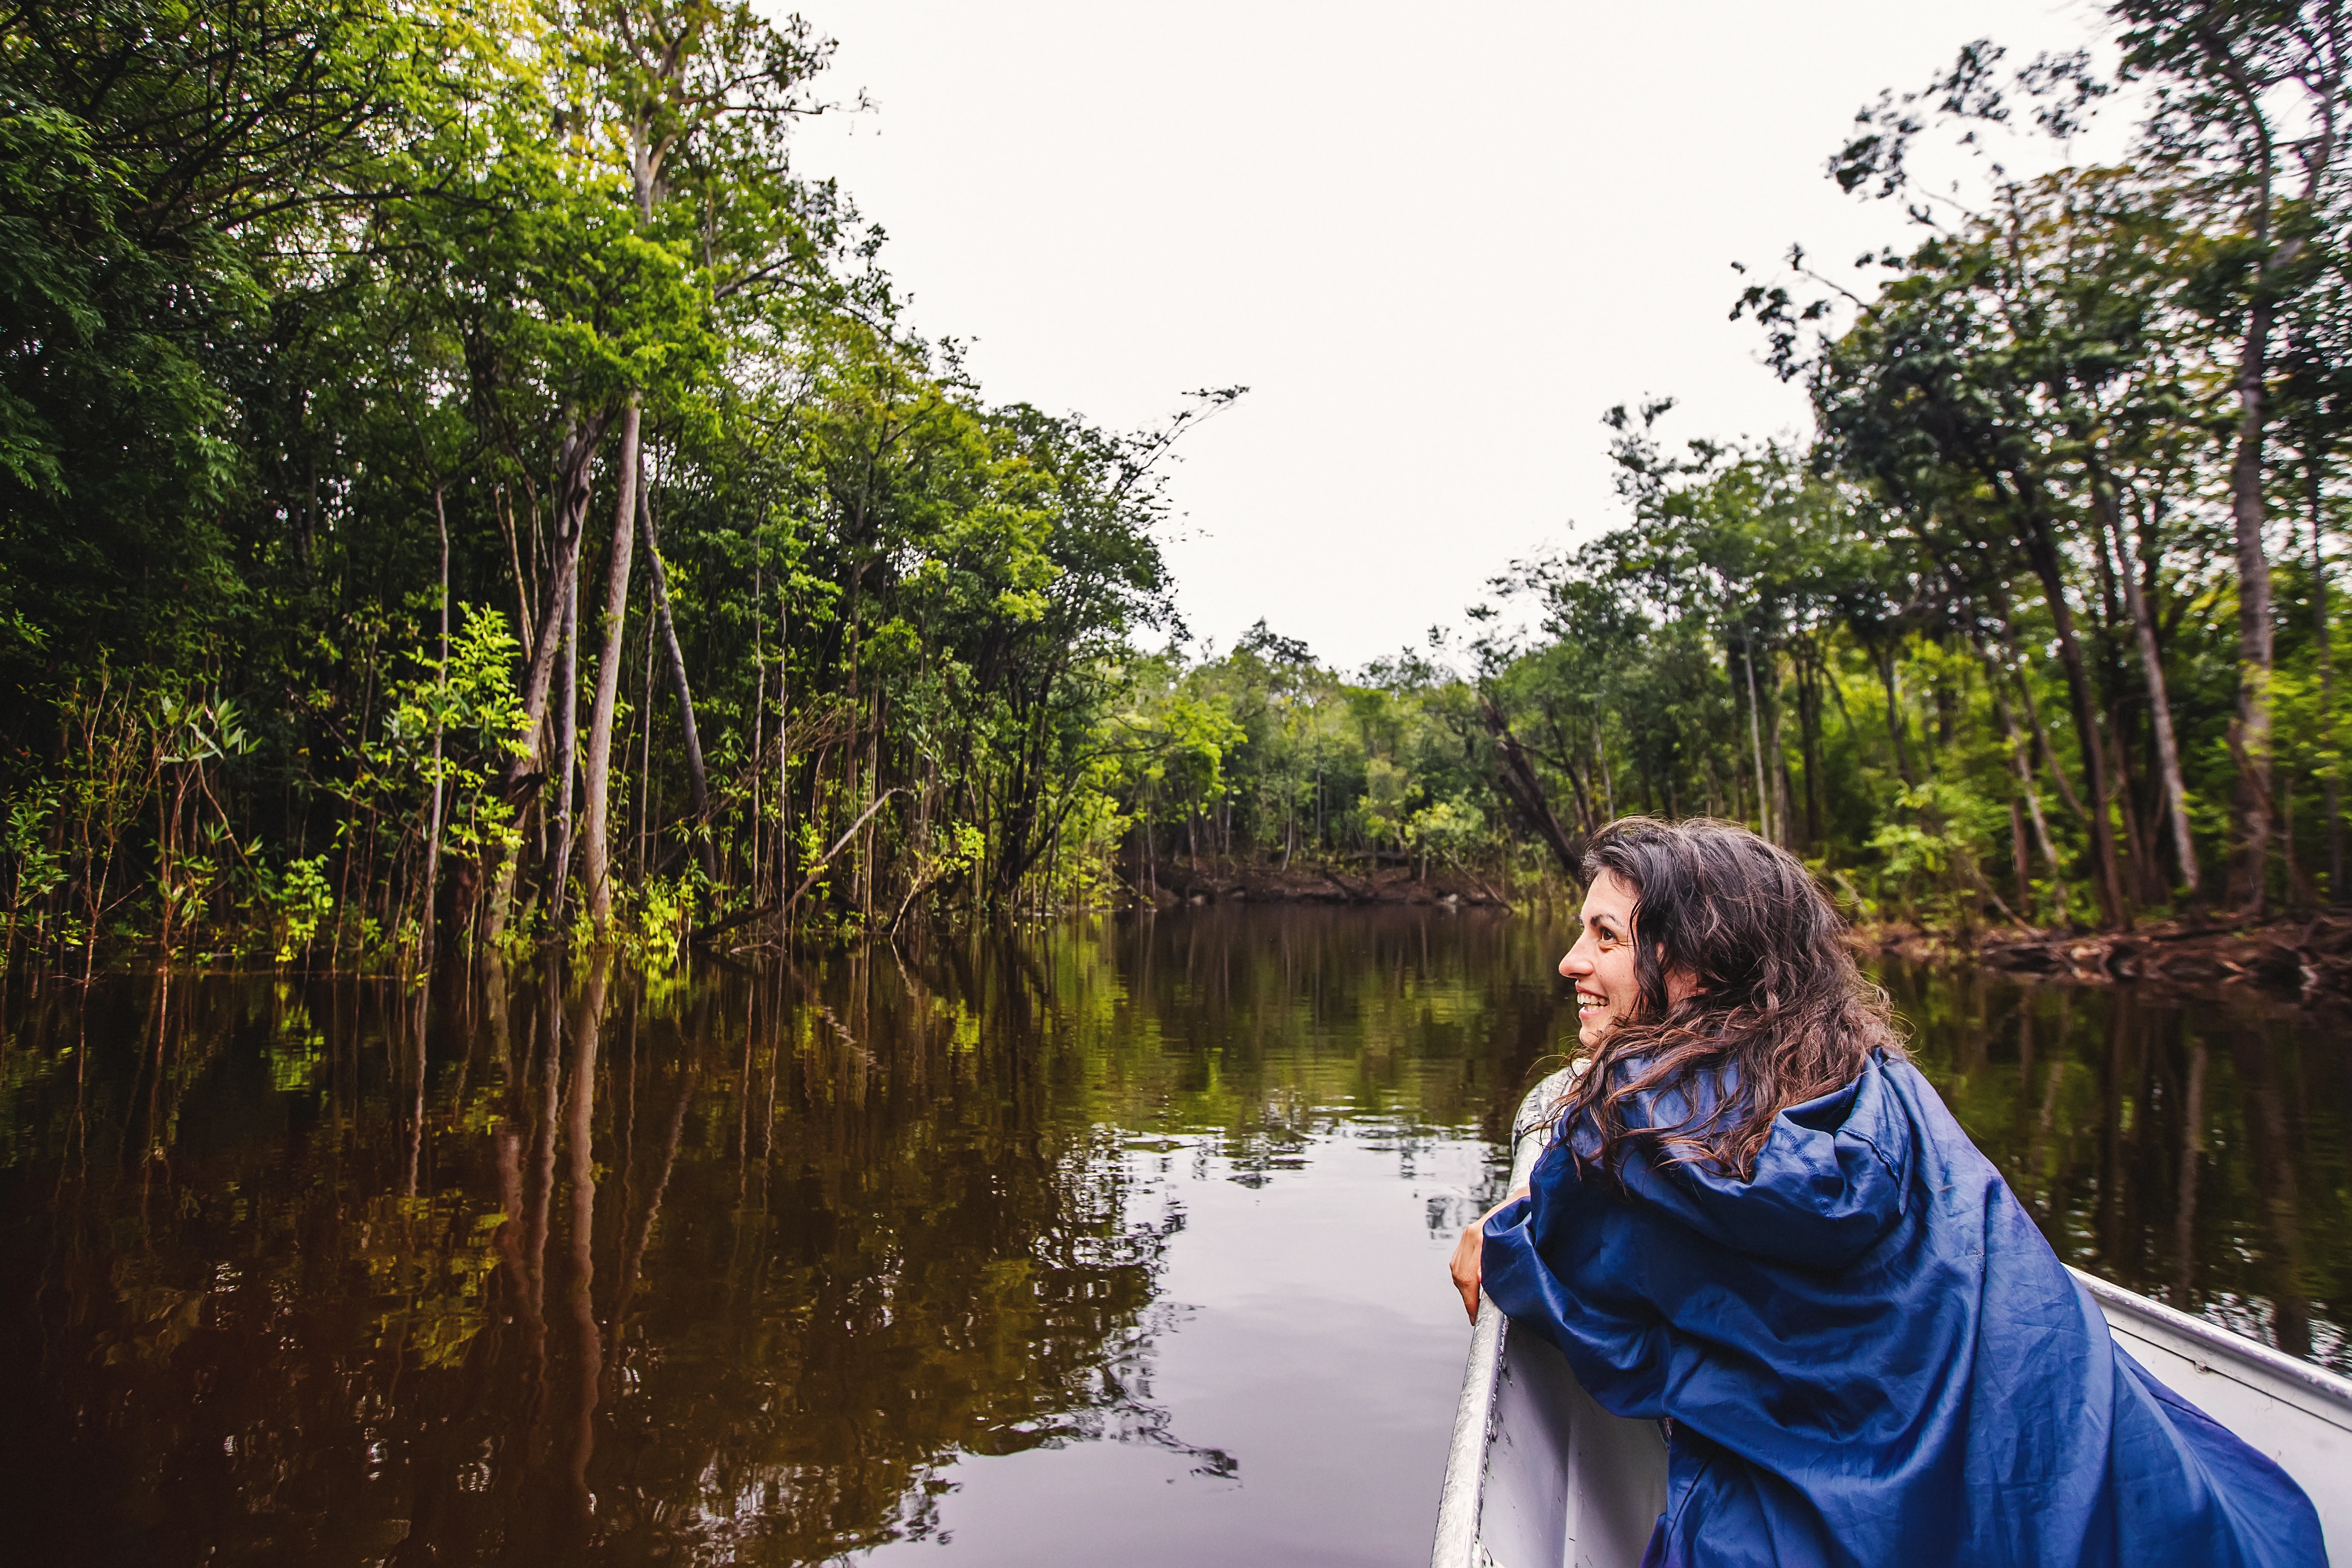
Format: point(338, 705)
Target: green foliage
point(304, 901)
point(2037, 555)
point(320, 322)
point(1933, 850)
point(267, 337)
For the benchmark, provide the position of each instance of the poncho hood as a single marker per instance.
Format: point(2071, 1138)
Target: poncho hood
point(1827, 1185)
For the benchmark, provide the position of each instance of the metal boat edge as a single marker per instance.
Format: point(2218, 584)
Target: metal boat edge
point(1461, 1502)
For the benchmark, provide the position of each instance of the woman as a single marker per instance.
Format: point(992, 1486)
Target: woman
point(1757, 1221)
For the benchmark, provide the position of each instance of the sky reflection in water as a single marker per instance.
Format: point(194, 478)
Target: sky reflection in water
point(1122, 1239)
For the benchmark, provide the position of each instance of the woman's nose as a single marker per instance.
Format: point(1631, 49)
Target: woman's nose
point(1574, 963)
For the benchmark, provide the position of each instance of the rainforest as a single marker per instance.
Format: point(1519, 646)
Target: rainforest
point(462, 488)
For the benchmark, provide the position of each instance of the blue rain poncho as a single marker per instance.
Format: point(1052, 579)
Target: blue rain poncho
point(1871, 1356)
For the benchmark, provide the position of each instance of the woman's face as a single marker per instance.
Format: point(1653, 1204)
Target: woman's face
point(1601, 961)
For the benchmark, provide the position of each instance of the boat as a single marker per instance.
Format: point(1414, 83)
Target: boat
point(1541, 1477)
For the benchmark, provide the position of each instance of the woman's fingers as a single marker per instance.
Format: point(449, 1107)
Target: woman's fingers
point(1467, 1265)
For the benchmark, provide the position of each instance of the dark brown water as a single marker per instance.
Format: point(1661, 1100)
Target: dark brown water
point(1115, 1241)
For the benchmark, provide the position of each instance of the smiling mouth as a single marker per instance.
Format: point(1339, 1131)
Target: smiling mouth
point(1587, 1002)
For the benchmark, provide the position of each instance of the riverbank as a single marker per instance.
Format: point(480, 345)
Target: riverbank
point(1355, 881)
point(2307, 955)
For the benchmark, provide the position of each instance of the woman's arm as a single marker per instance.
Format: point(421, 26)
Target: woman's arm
point(1468, 1264)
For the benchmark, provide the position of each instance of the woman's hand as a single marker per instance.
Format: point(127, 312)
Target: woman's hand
point(1468, 1262)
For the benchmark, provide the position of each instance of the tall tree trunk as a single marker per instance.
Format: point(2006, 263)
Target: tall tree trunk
point(572, 489)
point(644, 717)
point(2043, 552)
point(2251, 729)
point(2021, 885)
point(1783, 788)
point(574, 483)
point(2159, 702)
point(2042, 742)
point(1808, 742)
point(441, 693)
point(784, 732)
point(2146, 883)
point(1897, 730)
point(2020, 764)
point(697, 777)
point(2322, 642)
point(754, 865)
point(596, 847)
point(1756, 740)
point(559, 868)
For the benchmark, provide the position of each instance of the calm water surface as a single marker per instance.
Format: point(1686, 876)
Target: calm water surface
point(1116, 1241)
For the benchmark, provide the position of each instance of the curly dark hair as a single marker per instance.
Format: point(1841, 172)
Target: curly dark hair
point(1781, 1014)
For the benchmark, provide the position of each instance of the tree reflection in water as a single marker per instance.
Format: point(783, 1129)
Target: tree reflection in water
point(579, 1265)
point(584, 1265)
point(2197, 1150)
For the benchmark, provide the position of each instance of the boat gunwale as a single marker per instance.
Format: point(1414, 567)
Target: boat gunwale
point(2227, 1345)
point(1463, 1494)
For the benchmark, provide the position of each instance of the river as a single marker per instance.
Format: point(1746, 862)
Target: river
point(1109, 1240)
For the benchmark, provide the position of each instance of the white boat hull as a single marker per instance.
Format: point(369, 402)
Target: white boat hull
point(1541, 1476)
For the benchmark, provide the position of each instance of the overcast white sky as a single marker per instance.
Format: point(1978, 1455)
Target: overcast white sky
point(1436, 242)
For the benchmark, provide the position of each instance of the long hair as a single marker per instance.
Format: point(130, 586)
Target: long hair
point(1781, 1014)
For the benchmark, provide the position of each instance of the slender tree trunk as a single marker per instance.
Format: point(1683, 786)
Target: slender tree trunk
point(441, 695)
point(2290, 875)
point(2322, 634)
point(2043, 747)
point(698, 778)
point(502, 501)
point(1809, 678)
point(559, 869)
point(556, 615)
point(2251, 729)
point(1784, 791)
point(2021, 882)
point(2146, 883)
point(2159, 702)
point(1897, 730)
point(754, 868)
point(784, 732)
point(2045, 555)
point(865, 856)
point(646, 758)
point(595, 858)
point(1756, 740)
point(574, 488)
point(2022, 764)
